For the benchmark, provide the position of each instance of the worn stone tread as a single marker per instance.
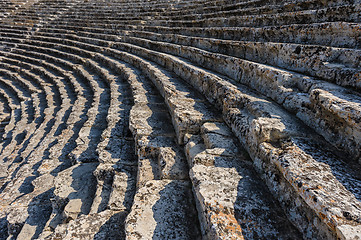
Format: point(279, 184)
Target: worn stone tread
point(241, 117)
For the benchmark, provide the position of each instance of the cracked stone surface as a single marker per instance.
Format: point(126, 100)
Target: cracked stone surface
point(180, 119)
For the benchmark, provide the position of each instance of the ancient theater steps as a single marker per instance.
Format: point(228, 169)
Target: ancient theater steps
point(180, 119)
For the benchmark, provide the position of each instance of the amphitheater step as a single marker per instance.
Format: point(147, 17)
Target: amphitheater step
point(162, 210)
point(180, 119)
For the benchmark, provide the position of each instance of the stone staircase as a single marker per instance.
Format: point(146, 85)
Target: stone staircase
point(179, 119)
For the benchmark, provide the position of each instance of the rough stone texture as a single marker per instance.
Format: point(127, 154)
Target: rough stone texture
point(104, 225)
point(162, 210)
point(241, 117)
point(232, 201)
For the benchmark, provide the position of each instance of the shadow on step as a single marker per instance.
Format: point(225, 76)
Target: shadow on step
point(113, 229)
point(39, 211)
point(175, 213)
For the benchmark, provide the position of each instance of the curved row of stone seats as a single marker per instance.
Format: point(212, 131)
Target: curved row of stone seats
point(335, 34)
point(72, 126)
point(213, 7)
point(333, 13)
point(340, 65)
point(65, 208)
point(176, 95)
point(43, 134)
point(332, 64)
point(35, 111)
point(104, 13)
point(200, 79)
point(317, 34)
point(310, 98)
point(348, 13)
point(21, 119)
point(239, 71)
point(256, 8)
point(281, 19)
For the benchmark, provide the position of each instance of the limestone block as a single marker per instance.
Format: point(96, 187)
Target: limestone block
point(77, 186)
point(163, 209)
point(232, 205)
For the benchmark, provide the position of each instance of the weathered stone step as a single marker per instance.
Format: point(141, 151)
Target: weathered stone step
point(327, 34)
point(311, 99)
point(74, 192)
point(14, 135)
point(319, 34)
point(78, 152)
point(62, 108)
point(348, 13)
point(97, 226)
point(180, 91)
point(259, 112)
point(158, 154)
point(216, 6)
point(231, 199)
point(334, 64)
point(329, 71)
point(336, 180)
point(255, 8)
point(162, 209)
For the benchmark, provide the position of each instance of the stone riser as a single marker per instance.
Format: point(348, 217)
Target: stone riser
point(180, 119)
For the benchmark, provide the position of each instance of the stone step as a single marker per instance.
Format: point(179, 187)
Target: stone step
point(62, 109)
point(175, 104)
point(257, 112)
point(348, 13)
point(158, 155)
point(83, 143)
point(313, 33)
point(97, 226)
point(162, 209)
point(211, 93)
point(21, 118)
point(231, 199)
point(266, 7)
point(311, 99)
point(334, 64)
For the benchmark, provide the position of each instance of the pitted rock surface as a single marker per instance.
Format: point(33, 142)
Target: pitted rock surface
point(180, 119)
